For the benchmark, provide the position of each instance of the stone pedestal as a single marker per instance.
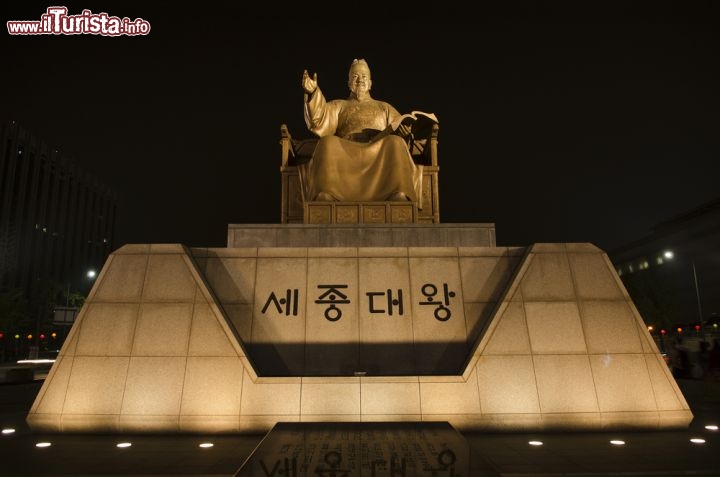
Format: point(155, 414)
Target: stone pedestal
point(361, 235)
point(361, 213)
point(357, 328)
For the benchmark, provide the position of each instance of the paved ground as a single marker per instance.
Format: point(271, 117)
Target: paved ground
point(667, 453)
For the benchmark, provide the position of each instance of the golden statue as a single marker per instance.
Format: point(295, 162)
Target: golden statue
point(360, 157)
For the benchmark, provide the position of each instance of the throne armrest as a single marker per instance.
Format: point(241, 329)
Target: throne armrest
point(423, 149)
point(295, 151)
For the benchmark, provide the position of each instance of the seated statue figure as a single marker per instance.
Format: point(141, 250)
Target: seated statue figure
point(356, 160)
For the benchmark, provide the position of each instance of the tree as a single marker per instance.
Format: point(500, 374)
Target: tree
point(45, 295)
point(15, 314)
point(75, 299)
point(15, 318)
point(655, 296)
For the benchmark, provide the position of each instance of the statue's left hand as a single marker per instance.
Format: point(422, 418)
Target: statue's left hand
point(404, 130)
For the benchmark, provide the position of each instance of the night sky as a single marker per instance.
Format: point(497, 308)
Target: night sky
point(559, 121)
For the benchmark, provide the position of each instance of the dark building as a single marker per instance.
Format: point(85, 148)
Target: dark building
point(673, 274)
point(56, 220)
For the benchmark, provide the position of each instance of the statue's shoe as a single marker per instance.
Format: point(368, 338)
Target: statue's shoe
point(398, 197)
point(325, 197)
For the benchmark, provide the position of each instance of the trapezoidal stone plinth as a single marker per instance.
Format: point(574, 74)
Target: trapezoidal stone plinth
point(208, 340)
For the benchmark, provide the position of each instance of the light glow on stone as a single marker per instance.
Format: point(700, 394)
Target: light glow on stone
point(122, 445)
point(206, 445)
point(617, 442)
point(697, 440)
point(711, 427)
point(8, 431)
point(535, 443)
point(43, 444)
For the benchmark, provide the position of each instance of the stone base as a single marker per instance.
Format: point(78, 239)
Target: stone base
point(361, 235)
point(172, 339)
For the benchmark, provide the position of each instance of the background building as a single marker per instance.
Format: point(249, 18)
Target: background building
point(57, 222)
point(673, 274)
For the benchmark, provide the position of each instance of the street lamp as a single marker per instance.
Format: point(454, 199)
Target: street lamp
point(669, 254)
point(697, 295)
point(91, 274)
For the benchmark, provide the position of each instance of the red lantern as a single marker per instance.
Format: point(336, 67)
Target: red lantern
point(42, 337)
point(663, 332)
point(697, 328)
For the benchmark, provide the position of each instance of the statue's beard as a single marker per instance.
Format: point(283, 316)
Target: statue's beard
point(360, 92)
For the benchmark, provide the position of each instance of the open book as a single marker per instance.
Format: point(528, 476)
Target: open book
point(415, 119)
point(420, 124)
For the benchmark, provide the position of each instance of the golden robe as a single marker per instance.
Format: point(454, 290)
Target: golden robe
point(348, 163)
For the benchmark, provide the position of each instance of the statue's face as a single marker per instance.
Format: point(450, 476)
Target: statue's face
point(359, 79)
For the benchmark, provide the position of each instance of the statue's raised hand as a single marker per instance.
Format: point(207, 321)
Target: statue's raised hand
point(309, 84)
